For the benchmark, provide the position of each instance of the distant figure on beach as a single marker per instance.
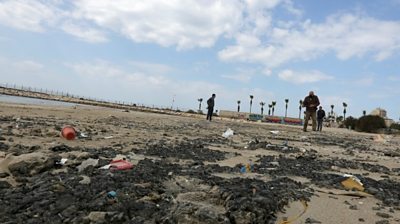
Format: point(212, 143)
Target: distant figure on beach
point(311, 102)
point(210, 107)
point(320, 118)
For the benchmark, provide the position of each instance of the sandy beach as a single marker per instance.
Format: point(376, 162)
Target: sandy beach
point(185, 171)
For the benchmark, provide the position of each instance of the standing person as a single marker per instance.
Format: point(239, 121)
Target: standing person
point(210, 107)
point(311, 102)
point(320, 118)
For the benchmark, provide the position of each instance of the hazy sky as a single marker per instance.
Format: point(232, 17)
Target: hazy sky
point(148, 51)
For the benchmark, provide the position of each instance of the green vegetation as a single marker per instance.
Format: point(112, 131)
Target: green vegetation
point(395, 126)
point(370, 124)
point(350, 122)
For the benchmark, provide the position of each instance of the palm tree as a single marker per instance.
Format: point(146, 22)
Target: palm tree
point(200, 100)
point(364, 112)
point(238, 102)
point(300, 106)
point(344, 110)
point(273, 107)
point(286, 101)
point(262, 107)
point(269, 110)
point(251, 102)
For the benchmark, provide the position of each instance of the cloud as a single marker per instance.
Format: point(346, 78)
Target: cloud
point(239, 77)
point(379, 96)
point(150, 68)
point(394, 78)
point(337, 101)
point(181, 24)
point(84, 33)
point(28, 14)
point(148, 86)
point(346, 35)
point(27, 66)
point(367, 81)
point(167, 23)
point(20, 72)
point(303, 77)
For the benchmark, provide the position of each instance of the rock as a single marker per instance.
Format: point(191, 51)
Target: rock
point(242, 216)
point(4, 174)
point(70, 211)
point(361, 220)
point(97, 217)
point(60, 148)
point(30, 164)
point(311, 220)
point(372, 190)
point(206, 214)
point(85, 164)
point(85, 180)
point(4, 146)
point(353, 207)
point(382, 222)
point(4, 184)
point(383, 215)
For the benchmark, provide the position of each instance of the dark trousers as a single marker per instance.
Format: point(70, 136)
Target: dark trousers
point(210, 113)
point(313, 116)
point(319, 127)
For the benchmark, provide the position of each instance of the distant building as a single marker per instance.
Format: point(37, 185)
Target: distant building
point(379, 112)
point(383, 114)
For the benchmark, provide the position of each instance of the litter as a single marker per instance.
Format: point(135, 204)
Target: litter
point(120, 164)
point(68, 133)
point(106, 167)
point(228, 133)
point(108, 137)
point(352, 182)
point(112, 197)
point(87, 163)
point(112, 194)
point(82, 135)
point(274, 132)
point(61, 162)
point(248, 168)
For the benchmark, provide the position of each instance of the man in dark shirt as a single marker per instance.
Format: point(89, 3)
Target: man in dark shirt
point(311, 102)
point(320, 118)
point(210, 107)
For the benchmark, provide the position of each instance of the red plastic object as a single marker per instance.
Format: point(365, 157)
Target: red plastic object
point(120, 165)
point(68, 133)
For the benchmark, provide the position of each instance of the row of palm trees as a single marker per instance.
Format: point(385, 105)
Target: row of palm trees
point(271, 107)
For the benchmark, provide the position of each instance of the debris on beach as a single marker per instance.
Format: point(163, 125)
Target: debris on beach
point(68, 133)
point(228, 133)
point(352, 183)
point(170, 169)
point(85, 164)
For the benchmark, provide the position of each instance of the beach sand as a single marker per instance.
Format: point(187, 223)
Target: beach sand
point(133, 134)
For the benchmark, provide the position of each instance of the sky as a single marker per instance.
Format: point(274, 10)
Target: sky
point(171, 53)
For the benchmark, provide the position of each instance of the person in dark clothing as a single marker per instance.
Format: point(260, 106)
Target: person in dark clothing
point(320, 118)
point(210, 107)
point(311, 102)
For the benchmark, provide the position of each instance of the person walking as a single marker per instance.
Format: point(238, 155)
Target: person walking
point(210, 107)
point(320, 118)
point(311, 102)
